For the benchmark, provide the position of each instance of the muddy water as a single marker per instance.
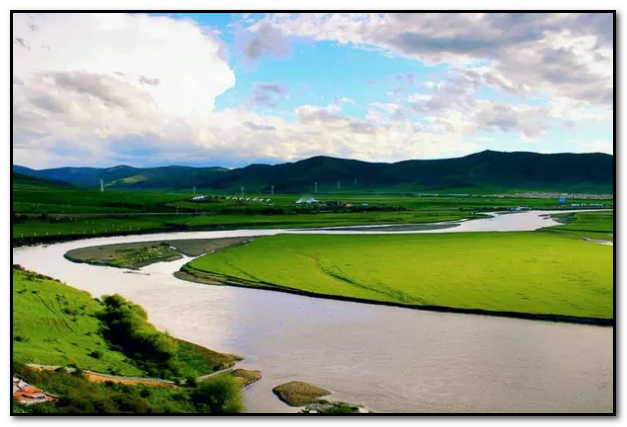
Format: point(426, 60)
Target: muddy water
point(389, 359)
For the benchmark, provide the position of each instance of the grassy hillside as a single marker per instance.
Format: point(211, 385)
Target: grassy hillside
point(591, 172)
point(23, 181)
point(78, 395)
point(526, 272)
point(54, 324)
point(126, 176)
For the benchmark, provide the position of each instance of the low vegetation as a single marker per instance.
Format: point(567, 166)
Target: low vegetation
point(133, 256)
point(78, 395)
point(297, 393)
point(521, 272)
point(592, 225)
point(245, 377)
point(54, 324)
point(137, 255)
point(43, 212)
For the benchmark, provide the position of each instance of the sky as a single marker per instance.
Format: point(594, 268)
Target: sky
point(224, 89)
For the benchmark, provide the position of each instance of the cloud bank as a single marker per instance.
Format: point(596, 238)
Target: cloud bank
point(100, 89)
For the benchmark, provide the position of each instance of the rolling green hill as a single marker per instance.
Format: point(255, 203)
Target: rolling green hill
point(22, 181)
point(126, 176)
point(591, 172)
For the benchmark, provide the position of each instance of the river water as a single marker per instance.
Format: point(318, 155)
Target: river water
point(388, 359)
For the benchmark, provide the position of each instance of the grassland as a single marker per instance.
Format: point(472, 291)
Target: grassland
point(132, 256)
point(54, 213)
point(545, 274)
point(137, 255)
point(245, 377)
point(591, 225)
point(54, 324)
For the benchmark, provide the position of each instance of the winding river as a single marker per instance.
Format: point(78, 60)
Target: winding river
point(388, 359)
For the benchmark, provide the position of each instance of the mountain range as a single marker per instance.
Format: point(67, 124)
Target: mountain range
point(589, 172)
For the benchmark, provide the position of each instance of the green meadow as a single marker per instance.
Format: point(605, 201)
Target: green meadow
point(525, 272)
point(45, 212)
point(593, 225)
point(55, 324)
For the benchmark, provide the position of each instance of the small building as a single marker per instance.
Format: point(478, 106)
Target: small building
point(27, 394)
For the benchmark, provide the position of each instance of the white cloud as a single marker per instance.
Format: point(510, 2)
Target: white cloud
point(598, 146)
point(96, 89)
point(566, 54)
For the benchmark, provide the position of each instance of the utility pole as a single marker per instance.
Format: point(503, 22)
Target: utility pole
point(272, 190)
point(101, 186)
point(316, 190)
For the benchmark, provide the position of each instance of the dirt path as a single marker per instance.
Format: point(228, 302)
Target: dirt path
point(100, 377)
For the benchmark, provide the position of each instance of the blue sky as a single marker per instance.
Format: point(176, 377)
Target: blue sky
point(233, 89)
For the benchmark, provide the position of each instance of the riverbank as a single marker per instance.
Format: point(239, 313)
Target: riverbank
point(208, 279)
point(31, 231)
point(137, 255)
point(529, 275)
point(55, 324)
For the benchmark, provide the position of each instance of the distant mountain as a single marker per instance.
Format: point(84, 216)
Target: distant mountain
point(590, 172)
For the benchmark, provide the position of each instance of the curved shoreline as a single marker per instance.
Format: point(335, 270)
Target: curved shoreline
point(190, 275)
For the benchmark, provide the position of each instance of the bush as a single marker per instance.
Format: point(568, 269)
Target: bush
point(220, 395)
point(190, 381)
point(126, 326)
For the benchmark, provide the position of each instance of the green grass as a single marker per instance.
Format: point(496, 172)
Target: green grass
point(244, 377)
point(593, 225)
point(525, 272)
point(131, 255)
point(55, 324)
point(46, 213)
point(137, 255)
point(78, 395)
point(196, 360)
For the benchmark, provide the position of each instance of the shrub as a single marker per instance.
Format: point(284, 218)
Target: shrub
point(126, 326)
point(220, 395)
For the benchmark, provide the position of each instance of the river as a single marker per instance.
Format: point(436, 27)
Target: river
point(388, 359)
